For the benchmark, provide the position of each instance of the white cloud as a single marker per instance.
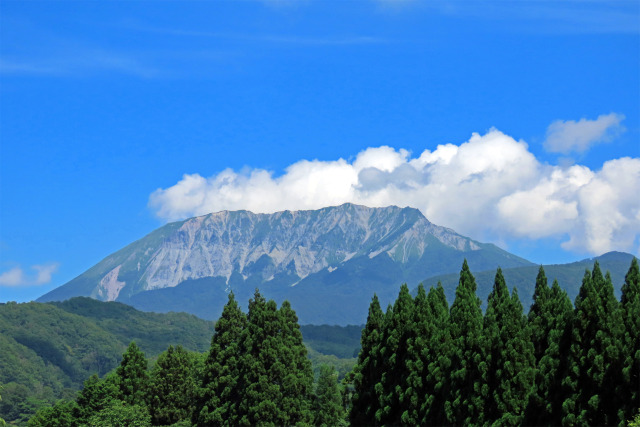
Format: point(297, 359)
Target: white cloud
point(13, 277)
point(571, 136)
point(17, 277)
point(490, 187)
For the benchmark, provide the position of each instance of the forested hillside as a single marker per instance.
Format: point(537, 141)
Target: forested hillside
point(422, 362)
point(256, 371)
point(49, 350)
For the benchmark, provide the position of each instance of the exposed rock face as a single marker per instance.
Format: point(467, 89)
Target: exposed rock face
point(300, 242)
point(325, 250)
point(109, 286)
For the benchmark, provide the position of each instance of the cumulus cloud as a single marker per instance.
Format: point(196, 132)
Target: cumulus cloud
point(490, 187)
point(17, 277)
point(571, 136)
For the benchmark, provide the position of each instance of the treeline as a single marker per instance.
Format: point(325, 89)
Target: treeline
point(421, 363)
point(255, 372)
point(425, 363)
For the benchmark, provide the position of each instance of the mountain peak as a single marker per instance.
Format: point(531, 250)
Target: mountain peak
point(277, 251)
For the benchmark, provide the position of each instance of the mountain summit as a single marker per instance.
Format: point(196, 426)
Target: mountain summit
point(327, 262)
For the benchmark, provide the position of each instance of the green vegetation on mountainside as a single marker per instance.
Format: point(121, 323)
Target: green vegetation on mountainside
point(569, 276)
point(48, 350)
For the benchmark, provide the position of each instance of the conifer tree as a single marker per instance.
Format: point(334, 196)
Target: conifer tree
point(133, 378)
point(540, 318)
point(595, 354)
point(327, 405)
point(364, 403)
point(172, 387)
point(416, 363)
point(630, 311)
point(396, 333)
point(465, 403)
point(269, 369)
point(545, 403)
point(220, 391)
point(509, 356)
point(438, 354)
point(297, 380)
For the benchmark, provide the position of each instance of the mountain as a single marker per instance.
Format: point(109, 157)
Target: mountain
point(326, 262)
point(569, 277)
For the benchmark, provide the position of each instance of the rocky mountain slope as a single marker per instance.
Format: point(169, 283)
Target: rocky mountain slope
point(327, 262)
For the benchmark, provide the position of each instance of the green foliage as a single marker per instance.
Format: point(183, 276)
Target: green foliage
point(2, 421)
point(367, 371)
point(550, 325)
point(297, 385)
point(594, 354)
point(327, 404)
point(172, 387)
point(524, 277)
point(428, 360)
point(509, 354)
point(152, 332)
point(132, 376)
point(96, 395)
point(220, 393)
point(419, 364)
point(397, 333)
point(48, 350)
point(342, 366)
point(340, 341)
point(630, 311)
point(59, 415)
point(119, 413)
point(276, 376)
point(465, 404)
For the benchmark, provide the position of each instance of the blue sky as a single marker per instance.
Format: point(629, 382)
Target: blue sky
point(511, 122)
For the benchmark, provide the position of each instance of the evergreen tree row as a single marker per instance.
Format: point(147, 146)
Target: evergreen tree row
point(255, 373)
point(425, 363)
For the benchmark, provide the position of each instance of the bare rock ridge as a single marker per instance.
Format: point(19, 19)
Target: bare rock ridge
point(312, 250)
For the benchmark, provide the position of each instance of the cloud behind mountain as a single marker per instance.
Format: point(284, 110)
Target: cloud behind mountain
point(490, 187)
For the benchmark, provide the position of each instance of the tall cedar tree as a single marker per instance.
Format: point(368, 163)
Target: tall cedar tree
point(540, 318)
point(396, 333)
point(172, 387)
point(595, 354)
point(220, 392)
point(438, 354)
point(630, 307)
point(327, 404)
point(133, 378)
point(416, 364)
point(297, 383)
point(428, 359)
point(509, 356)
point(364, 403)
point(465, 404)
point(553, 314)
point(265, 366)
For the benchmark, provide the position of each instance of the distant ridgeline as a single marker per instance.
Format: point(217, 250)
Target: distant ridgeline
point(422, 362)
